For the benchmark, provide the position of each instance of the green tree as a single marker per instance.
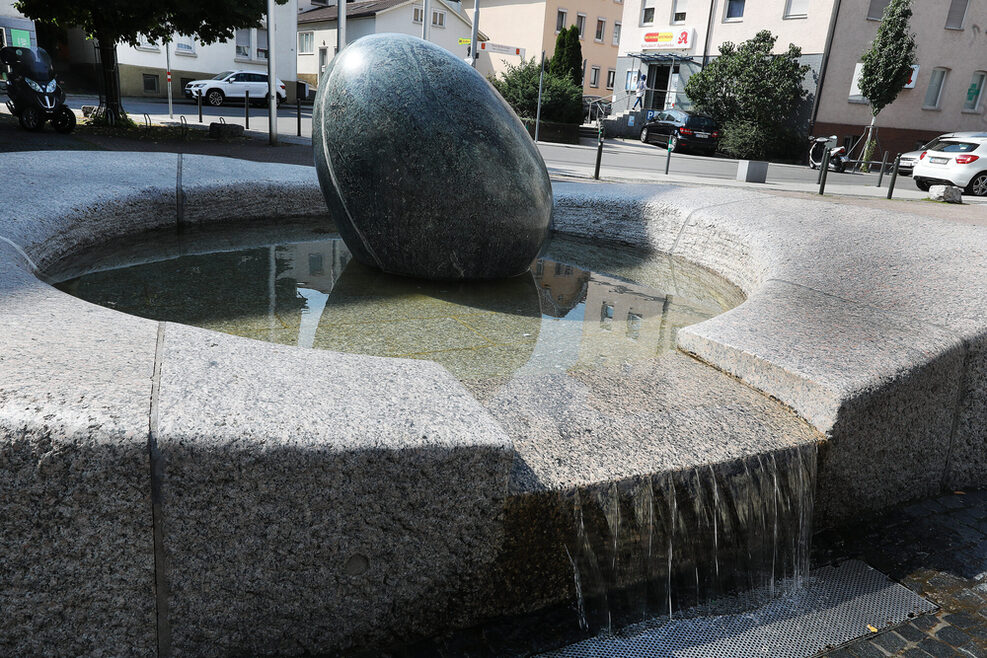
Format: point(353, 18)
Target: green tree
point(748, 89)
point(111, 22)
point(887, 63)
point(567, 61)
point(561, 99)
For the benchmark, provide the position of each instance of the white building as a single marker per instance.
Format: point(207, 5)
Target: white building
point(143, 68)
point(449, 27)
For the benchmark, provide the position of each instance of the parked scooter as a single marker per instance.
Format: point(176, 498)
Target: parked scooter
point(35, 96)
point(838, 160)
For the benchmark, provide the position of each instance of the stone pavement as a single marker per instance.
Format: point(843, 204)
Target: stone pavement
point(937, 548)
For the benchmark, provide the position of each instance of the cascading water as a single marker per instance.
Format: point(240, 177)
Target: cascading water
point(682, 542)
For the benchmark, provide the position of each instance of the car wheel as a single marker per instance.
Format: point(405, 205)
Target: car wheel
point(64, 121)
point(978, 186)
point(215, 97)
point(644, 135)
point(31, 119)
point(673, 144)
point(922, 184)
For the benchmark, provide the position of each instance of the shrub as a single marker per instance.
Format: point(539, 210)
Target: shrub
point(744, 139)
point(562, 100)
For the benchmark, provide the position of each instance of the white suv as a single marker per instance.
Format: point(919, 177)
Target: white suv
point(233, 84)
point(960, 161)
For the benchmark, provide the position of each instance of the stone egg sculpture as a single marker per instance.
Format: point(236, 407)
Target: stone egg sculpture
point(426, 170)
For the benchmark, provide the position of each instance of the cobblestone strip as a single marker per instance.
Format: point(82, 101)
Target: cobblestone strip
point(937, 548)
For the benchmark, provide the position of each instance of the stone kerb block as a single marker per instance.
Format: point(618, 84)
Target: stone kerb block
point(946, 193)
point(752, 171)
point(76, 561)
point(317, 500)
point(220, 130)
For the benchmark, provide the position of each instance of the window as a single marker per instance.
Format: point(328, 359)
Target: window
point(601, 28)
point(261, 44)
point(243, 43)
point(416, 14)
point(144, 43)
point(957, 14)
point(611, 77)
point(630, 80)
point(581, 24)
point(606, 316)
point(185, 46)
point(634, 325)
point(560, 20)
point(306, 43)
point(876, 10)
point(439, 18)
point(678, 11)
point(616, 34)
point(735, 10)
point(150, 84)
point(648, 14)
point(316, 265)
point(797, 9)
point(934, 93)
point(975, 92)
point(594, 76)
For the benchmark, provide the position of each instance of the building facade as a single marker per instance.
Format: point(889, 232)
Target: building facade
point(946, 93)
point(532, 27)
point(15, 30)
point(449, 27)
point(669, 40)
point(143, 68)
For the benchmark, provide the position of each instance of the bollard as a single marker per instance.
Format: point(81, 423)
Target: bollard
point(246, 110)
point(884, 165)
point(668, 156)
point(199, 96)
point(825, 170)
point(599, 155)
point(894, 175)
point(298, 102)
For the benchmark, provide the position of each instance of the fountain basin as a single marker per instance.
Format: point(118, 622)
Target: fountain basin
point(868, 325)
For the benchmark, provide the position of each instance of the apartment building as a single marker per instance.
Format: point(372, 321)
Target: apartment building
point(945, 94)
point(15, 29)
point(449, 27)
point(669, 40)
point(532, 27)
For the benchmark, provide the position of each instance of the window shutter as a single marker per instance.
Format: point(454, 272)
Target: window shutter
point(957, 12)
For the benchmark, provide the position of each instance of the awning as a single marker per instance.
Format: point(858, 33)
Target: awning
point(661, 57)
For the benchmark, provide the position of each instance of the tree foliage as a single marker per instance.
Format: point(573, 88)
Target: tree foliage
point(888, 62)
point(561, 97)
point(567, 60)
point(124, 21)
point(749, 86)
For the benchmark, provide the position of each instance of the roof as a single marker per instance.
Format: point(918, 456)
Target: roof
point(353, 10)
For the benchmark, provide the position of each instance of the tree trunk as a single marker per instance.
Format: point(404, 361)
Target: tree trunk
point(110, 72)
point(868, 146)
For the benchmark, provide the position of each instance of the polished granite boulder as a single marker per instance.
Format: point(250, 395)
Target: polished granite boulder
point(426, 170)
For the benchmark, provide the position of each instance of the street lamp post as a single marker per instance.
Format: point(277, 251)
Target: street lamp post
point(340, 25)
point(272, 78)
point(167, 45)
point(474, 46)
point(425, 18)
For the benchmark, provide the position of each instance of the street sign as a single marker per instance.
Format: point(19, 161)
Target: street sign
point(501, 49)
point(20, 38)
point(464, 42)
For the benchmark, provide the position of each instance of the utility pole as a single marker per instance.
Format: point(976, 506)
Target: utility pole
point(340, 25)
point(474, 46)
point(272, 78)
point(541, 77)
point(167, 45)
point(425, 18)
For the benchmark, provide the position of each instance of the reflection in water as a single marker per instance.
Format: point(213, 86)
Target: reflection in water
point(302, 289)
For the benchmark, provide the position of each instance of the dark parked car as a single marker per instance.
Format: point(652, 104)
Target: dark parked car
point(682, 131)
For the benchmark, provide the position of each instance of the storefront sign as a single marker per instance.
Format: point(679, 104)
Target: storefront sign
point(678, 38)
point(20, 38)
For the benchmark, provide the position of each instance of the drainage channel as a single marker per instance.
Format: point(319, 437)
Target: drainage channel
point(837, 604)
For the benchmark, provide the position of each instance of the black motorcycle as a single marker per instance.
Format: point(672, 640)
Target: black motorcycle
point(35, 96)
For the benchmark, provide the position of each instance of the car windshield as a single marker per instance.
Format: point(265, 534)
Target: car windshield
point(222, 75)
point(34, 63)
point(701, 123)
point(955, 147)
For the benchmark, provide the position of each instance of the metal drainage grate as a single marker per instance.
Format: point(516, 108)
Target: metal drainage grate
point(836, 605)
